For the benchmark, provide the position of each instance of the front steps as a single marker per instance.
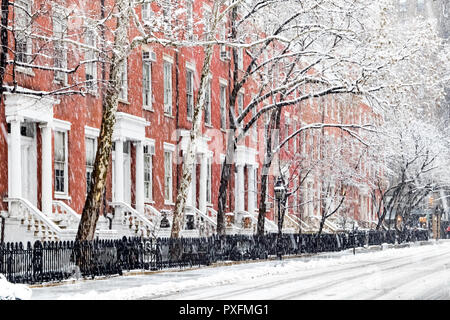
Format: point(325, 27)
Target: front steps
point(26, 223)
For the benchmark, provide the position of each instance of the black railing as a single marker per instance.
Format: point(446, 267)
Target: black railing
point(56, 261)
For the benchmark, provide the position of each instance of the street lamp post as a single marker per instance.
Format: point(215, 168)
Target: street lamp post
point(280, 192)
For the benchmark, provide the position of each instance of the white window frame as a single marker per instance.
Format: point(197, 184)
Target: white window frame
point(146, 11)
point(207, 17)
point(169, 149)
point(190, 19)
point(240, 58)
point(255, 186)
point(286, 132)
point(223, 104)
point(240, 102)
point(150, 146)
point(255, 126)
point(147, 83)
point(189, 92)
point(167, 91)
point(91, 67)
point(208, 102)
point(59, 46)
point(89, 168)
point(208, 180)
point(25, 25)
point(295, 139)
point(63, 127)
point(91, 133)
point(123, 79)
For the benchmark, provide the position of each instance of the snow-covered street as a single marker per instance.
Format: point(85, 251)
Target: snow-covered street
point(417, 272)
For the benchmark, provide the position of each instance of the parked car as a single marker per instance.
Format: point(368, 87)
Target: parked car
point(12, 291)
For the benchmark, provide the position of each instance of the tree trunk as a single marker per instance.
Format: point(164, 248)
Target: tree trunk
point(195, 132)
point(224, 179)
point(189, 156)
point(265, 176)
point(92, 206)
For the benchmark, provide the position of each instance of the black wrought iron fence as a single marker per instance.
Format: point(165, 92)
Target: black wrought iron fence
point(56, 261)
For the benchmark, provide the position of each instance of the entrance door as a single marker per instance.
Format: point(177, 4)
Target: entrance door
point(126, 174)
point(28, 162)
point(29, 179)
point(127, 178)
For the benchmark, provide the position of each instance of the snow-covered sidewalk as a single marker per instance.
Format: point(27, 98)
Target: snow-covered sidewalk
point(209, 280)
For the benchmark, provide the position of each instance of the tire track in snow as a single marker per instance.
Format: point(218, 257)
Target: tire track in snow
point(205, 293)
point(245, 290)
point(347, 281)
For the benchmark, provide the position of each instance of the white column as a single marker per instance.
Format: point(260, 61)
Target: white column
point(119, 171)
point(251, 190)
point(240, 188)
point(140, 177)
point(46, 170)
point(16, 159)
point(203, 172)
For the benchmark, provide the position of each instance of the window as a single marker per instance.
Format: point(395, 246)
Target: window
point(167, 13)
point(60, 54)
point(223, 107)
point(240, 58)
point(208, 103)
point(255, 187)
point(90, 55)
point(295, 139)
point(123, 81)
point(266, 127)
point(333, 105)
point(240, 102)
point(60, 165)
point(189, 93)
point(168, 176)
point(286, 133)
point(148, 172)
point(146, 80)
point(294, 196)
point(90, 159)
point(304, 141)
point(223, 31)
point(207, 19)
point(146, 11)
point(23, 23)
point(208, 180)
point(420, 6)
point(254, 129)
point(167, 88)
point(189, 19)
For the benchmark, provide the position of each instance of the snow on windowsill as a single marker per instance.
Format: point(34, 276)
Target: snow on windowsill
point(27, 71)
point(124, 101)
point(63, 196)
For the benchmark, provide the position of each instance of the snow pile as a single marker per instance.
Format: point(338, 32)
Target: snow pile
point(11, 291)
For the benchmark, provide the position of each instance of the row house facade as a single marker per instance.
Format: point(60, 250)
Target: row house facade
point(48, 142)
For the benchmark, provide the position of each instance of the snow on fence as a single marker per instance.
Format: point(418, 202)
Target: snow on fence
point(57, 261)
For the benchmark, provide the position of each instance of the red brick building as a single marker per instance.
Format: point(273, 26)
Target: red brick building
point(48, 144)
